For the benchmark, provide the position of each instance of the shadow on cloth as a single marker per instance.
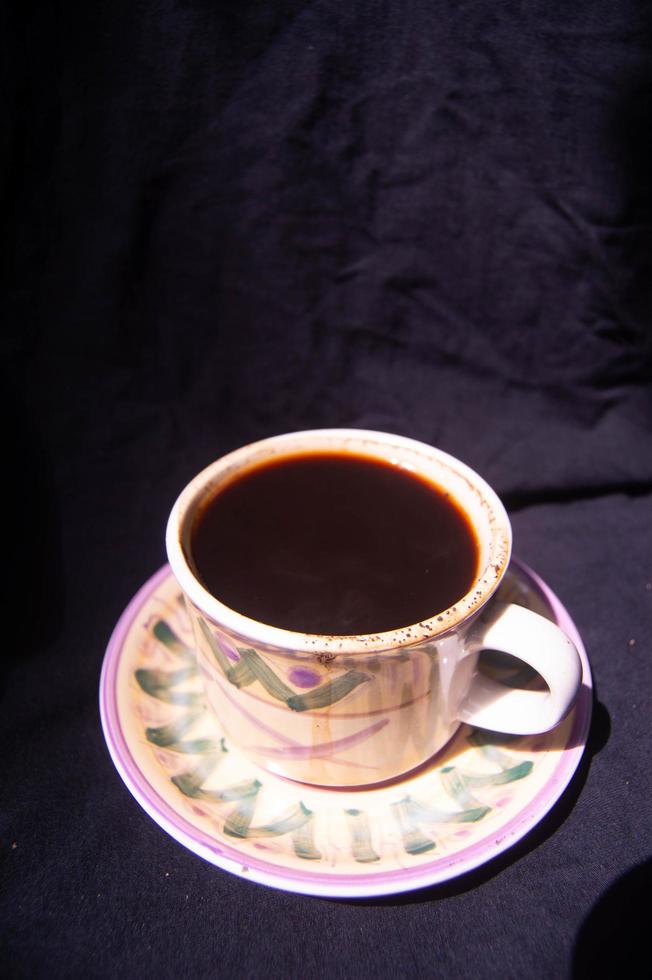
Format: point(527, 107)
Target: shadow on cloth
point(614, 937)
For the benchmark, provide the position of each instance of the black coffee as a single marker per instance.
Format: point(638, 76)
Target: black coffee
point(337, 544)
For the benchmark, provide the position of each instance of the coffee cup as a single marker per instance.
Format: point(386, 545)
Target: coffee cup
point(299, 558)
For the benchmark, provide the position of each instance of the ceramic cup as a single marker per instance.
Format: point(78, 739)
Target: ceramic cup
point(358, 710)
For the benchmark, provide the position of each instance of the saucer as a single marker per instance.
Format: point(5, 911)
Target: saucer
point(476, 798)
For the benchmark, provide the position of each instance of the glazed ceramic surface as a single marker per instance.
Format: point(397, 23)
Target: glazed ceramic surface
point(474, 799)
point(359, 710)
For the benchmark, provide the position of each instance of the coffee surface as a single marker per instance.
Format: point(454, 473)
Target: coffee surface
point(335, 544)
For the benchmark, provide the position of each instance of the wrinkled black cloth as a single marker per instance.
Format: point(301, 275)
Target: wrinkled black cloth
point(222, 221)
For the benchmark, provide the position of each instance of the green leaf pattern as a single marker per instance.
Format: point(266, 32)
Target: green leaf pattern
point(252, 667)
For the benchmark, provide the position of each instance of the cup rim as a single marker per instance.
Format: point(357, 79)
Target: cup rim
point(250, 630)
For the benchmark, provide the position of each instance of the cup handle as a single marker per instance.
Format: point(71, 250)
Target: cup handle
point(544, 647)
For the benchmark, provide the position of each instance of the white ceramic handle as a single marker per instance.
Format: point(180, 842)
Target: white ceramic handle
point(539, 643)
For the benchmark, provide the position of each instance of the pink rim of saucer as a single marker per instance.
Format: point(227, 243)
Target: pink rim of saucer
point(439, 870)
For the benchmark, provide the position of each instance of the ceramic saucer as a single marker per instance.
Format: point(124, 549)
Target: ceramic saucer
point(476, 798)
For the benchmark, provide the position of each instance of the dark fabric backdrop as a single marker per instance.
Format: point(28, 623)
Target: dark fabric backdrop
point(226, 220)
